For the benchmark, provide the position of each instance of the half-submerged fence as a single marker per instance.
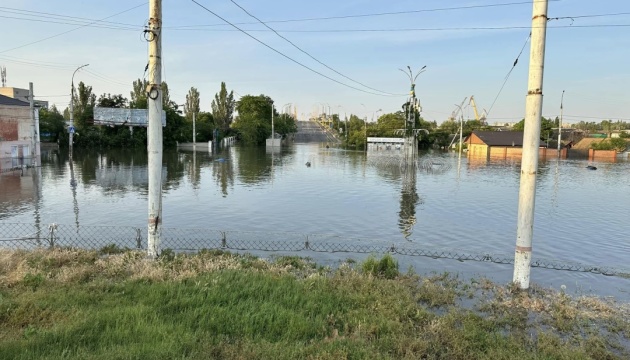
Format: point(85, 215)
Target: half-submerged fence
point(32, 236)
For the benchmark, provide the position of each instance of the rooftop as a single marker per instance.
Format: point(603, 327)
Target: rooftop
point(5, 100)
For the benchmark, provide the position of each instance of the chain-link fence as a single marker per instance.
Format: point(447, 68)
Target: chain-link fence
point(30, 236)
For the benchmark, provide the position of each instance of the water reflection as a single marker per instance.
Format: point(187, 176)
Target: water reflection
point(223, 173)
point(409, 199)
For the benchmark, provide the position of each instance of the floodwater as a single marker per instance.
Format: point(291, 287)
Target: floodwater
point(469, 206)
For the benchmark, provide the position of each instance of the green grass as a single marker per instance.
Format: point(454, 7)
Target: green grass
point(69, 304)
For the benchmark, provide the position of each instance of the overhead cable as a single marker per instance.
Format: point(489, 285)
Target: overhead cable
point(71, 30)
point(311, 56)
point(284, 55)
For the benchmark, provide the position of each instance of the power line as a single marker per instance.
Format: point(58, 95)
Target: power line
point(309, 55)
point(71, 30)
point(52, 15)
point(104, 77)
point(418, 29)
point(282, 54)
point(406, 12)
point(73, 23)
point(508, 75)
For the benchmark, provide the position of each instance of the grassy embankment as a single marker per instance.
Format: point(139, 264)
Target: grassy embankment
point(75, 304)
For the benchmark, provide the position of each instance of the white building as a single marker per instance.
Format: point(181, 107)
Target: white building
point(18, 134)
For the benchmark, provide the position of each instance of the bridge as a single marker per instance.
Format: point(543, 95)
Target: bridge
point(311, 131)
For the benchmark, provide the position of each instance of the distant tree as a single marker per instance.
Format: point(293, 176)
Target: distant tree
point(387, 124)
point(84, 101)
point(254, 119)
point(205, 126)
point(607, 126)
point(139, 94)
point(285, 124)
point(167, 103)
point(51, 122)
point(546, 127)
point(192, 104)
point(112, 101)
point(223, 108)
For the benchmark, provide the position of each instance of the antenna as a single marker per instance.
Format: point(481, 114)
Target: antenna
point(3, 75)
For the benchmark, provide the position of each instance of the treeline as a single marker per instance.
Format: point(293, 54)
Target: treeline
point(252, 124)
point(354, 130)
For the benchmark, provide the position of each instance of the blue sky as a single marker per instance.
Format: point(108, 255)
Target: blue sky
point(589, 63)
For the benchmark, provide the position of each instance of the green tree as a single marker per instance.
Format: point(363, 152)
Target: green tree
point(139, 94)
point(84, 101)
point(223, 108)
point(546, 127)
point(205, 126)
point(51, 124)
point(389, 124)
point(112, 101)
point(607, 126)
point(192, 104)
point(285, 124)
point(254, 119)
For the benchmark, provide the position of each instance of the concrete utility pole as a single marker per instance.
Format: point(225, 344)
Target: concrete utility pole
point(531, 143)
point(560, 125)
point(31, 99)
point(273, 134)
point(194, 131)
point(154, 147)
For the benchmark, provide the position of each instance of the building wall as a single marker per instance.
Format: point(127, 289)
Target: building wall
point(602, 154)
point(478, 150)
point(15, 136)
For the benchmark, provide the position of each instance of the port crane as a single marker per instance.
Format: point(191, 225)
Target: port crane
point(482, 118)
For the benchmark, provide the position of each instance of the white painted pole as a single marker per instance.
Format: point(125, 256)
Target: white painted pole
point(33, 129)
point(560, 125)
point(273, 134)
point(154, 146)
point(531, 143)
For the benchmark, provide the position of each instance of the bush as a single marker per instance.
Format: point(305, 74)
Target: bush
point(617, 144)
point(386, 267)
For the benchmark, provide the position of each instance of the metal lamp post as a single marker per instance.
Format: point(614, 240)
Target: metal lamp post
point(411, 107)
point(71, 126)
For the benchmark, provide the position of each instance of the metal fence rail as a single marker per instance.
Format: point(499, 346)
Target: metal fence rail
point(31, 236)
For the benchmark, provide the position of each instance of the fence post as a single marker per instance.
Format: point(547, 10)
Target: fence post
point(51, 235)
point(138, 239)
point(223, 240)
point(307, 246)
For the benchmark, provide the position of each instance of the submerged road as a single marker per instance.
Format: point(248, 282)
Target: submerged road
point(310, 131)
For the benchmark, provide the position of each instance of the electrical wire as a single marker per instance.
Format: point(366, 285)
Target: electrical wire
point(283, 55)
point(508, 75)
point(311, 56)
point(104, 78)
point(53, 16)
point(72, 23)
point(71, 30)
point(406, 12)
point(474, 28)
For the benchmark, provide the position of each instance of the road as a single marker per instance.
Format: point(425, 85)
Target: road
point(310, 131)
